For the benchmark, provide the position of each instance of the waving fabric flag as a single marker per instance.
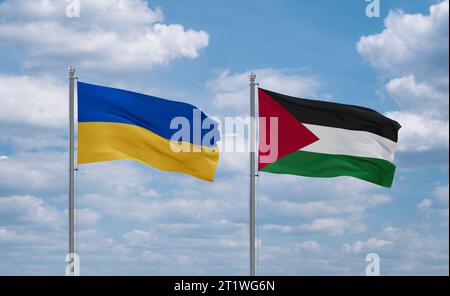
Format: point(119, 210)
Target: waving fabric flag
point(118, 124)
point(324, 139)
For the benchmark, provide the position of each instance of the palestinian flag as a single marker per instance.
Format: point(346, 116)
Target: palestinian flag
point(324, 139)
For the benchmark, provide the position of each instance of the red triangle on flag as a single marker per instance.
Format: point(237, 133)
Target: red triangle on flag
point(291, 136)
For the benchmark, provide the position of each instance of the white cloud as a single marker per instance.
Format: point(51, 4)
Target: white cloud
point(138, 237)
point(437, 205)
point(315, 206)
point(413, 53)
point(410, 43)
point(231, 89)
point(184, 209)
point(151, 256)
point(317, 198)
point(27, 139)
point(34, 172)
point(130, 191)
point(333, 226)
point(442, 196)
point(425, 204)
point(378, 199)
point(30, 210)
point(280, 228)
point(128, 12)
point(33, 118)
point(117, 179)
point(87, 216)
point(312, 246)
point(420, 133)
point(34, 212)
point(12, 236)
point(110, 35)
point(92, 242)
point(184, 260)
point(233, 243)
point(419, 251)
point(404, 250)
point(33, 101)
point(311, 209)
point(371, 245)
point(419, 97)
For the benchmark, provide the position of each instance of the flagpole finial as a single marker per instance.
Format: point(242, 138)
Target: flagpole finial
point(71, 71)
point(252, 77)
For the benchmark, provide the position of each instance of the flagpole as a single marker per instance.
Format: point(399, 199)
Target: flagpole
point(71, 205)
point(252, 78)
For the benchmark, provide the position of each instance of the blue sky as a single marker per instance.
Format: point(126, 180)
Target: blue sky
point(133, 219)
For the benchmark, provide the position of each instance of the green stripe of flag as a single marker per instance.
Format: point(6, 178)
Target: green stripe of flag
point(312, 164)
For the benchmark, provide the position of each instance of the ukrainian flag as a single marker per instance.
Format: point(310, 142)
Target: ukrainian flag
point(118, 124)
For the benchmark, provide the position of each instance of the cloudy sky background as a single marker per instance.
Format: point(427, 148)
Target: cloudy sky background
point(133, 219)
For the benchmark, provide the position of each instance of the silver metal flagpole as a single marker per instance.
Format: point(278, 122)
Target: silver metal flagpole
point(71, 170)
point(252, 78)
